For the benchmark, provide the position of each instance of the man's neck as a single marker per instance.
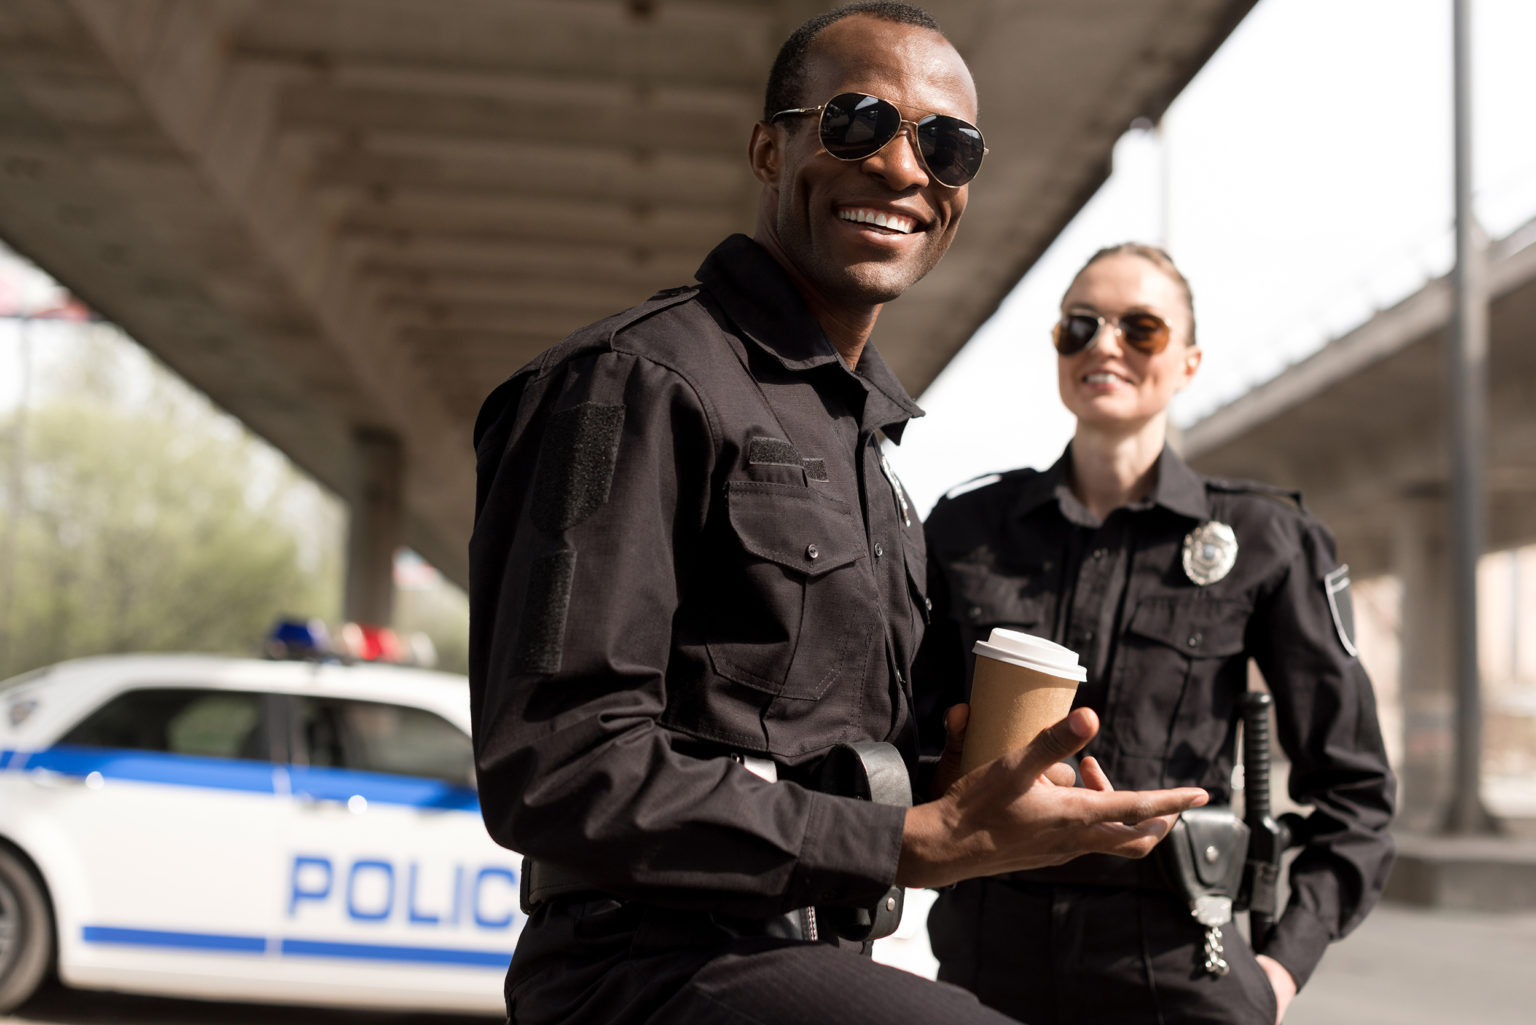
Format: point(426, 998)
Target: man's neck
point(848, 331)
point(1111, 469)
point(846, 326)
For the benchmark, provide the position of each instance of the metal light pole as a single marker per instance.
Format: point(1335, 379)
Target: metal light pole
point(1466, 382)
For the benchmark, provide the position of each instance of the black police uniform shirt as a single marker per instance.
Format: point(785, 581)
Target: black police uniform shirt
point(688, 546)
point(1167, 660)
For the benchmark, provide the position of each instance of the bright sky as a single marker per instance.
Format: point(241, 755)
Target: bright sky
point(1303, 180)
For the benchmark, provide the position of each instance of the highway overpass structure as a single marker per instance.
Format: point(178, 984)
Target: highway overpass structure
point(1359, 428)
point(346, 221)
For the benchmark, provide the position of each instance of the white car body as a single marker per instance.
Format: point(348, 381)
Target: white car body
point(269, 876)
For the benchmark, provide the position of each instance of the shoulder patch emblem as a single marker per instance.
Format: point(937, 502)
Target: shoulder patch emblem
point(1210, 552)
point(1342, 607)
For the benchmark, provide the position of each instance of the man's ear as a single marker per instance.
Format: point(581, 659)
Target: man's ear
point(765, 152)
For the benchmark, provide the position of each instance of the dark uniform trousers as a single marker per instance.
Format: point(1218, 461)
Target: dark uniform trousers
point(688, 548)
point(1165, 610)
point(1078, 955)
point(606, 961)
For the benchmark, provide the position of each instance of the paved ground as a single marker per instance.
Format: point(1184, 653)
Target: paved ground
point(1404, 966)
point(1426, 967)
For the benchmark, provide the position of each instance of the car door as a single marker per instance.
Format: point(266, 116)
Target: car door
point(395, 893)
point(158, 806)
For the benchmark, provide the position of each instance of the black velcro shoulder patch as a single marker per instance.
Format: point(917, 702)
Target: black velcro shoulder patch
point(541, 629)
point(815, 468)
point(576, 463)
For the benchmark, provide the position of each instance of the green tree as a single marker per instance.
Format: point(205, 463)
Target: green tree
point(151, 522)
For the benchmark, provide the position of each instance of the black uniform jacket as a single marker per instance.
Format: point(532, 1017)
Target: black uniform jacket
point(687, 546)
point(1167, 659)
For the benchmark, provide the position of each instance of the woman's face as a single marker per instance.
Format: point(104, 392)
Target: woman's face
point(1110, 384)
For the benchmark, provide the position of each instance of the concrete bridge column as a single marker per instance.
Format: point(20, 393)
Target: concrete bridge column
point(1422, 559)
point(374, 530)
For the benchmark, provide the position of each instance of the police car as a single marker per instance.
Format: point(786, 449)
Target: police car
point(301, 832)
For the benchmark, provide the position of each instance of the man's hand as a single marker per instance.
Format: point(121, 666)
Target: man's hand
point(1281, 982)
point(1011, 814)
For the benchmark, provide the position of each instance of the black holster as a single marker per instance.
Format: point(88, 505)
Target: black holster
point(1203, 857)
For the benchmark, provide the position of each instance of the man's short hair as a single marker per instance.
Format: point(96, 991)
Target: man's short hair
point(786, 82)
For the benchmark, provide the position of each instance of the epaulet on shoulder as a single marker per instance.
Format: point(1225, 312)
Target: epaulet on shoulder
point(599, 335)
point(655, 304)
point(982, 481)
point(1282, 496)
point(616, 322)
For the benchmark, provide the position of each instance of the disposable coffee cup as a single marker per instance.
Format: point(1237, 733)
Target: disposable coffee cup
point(1021, 685)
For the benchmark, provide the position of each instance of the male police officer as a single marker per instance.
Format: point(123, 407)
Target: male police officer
point(693, 575)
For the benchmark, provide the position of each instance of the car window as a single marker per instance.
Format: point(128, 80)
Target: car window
point(211, 723)
point(373, 736)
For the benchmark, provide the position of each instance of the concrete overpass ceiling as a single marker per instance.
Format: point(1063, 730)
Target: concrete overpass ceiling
point(1360, 425)
point(342, 214)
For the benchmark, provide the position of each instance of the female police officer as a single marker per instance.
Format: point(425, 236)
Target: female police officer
point(1166, 583)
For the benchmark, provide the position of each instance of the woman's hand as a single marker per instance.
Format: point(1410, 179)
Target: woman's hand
point(1281, 982)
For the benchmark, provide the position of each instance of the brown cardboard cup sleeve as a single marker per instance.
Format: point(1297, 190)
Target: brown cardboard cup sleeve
point(1021, 685)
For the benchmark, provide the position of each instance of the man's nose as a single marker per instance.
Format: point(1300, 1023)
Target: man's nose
point(898, 161)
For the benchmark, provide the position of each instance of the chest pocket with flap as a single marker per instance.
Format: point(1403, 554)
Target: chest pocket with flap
point(1171, 669)
point(792, 613)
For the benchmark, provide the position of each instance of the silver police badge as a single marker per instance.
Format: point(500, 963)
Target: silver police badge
point(1210, 550)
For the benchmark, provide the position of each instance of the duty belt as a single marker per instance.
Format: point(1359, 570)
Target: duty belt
point(543, 881)
point(872, 771)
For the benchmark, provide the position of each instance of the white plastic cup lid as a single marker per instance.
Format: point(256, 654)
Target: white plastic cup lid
point(1032, 652)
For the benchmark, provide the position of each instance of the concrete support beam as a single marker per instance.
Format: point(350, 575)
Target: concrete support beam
point(375, 528)
point(1423, 563)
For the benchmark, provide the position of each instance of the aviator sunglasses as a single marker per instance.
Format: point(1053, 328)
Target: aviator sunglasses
point(1147, 333)
point(855, 126)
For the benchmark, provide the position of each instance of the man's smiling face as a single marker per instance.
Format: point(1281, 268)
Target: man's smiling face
point(859, 233)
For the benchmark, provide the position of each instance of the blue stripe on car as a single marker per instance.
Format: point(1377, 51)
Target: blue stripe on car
point(156, 767)
point(387, 952)
point(295, 948)
point(231, 774)
point(175, 940)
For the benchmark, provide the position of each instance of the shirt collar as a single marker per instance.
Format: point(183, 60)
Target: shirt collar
point(762, 302)
point(1178, 489)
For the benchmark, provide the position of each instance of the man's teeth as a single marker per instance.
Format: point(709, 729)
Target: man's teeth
point(890, 222)
point(1103, 377)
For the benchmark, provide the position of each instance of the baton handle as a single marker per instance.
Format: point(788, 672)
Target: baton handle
point(1256, 806)
point(1267, 838)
